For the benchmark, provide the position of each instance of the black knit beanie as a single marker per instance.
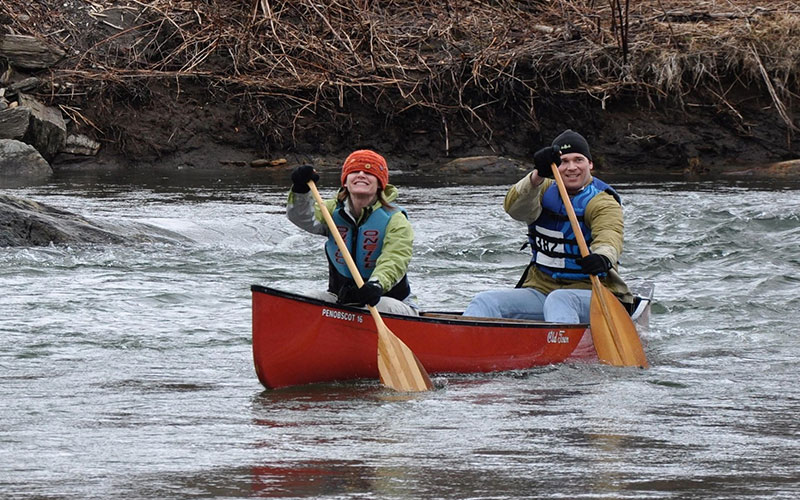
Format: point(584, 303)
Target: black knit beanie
point(572, 142)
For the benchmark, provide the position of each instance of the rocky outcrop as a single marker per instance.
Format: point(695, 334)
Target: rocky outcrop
point(24, 119)
point(29, 223)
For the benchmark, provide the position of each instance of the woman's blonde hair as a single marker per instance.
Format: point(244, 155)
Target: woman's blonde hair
point(343, 194)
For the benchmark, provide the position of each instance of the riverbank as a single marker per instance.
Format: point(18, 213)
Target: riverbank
point(668, 86)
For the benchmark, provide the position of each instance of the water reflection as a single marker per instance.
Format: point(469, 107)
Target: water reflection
point(314, 479)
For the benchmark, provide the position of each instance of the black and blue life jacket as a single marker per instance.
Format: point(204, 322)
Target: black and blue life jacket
point(553, 243)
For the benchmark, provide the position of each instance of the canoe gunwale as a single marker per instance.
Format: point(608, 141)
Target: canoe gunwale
point(434, 317)
point(644, 294)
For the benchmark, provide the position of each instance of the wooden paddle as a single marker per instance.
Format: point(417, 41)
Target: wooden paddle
point(614, 335)
point(398, 367)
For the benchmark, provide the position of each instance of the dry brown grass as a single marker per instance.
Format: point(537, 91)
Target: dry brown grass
point(295, 61)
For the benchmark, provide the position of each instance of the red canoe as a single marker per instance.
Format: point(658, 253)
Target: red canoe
point(299, 340)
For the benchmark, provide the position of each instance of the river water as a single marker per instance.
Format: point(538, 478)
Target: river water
point(126, 370)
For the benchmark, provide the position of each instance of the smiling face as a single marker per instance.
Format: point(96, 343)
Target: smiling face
point(361, 183)
point(575, 170)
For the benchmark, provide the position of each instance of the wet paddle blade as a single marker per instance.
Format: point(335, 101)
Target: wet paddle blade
point(399, 368)
point(614, 335)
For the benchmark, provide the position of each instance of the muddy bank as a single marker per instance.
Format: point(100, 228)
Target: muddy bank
point(678, 87)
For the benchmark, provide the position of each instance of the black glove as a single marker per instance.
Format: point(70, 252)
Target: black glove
point(594, 263)
point(544, 158)
point(300, 177)
point(370, 294)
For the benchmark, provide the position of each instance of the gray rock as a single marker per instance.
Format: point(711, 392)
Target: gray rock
point(32, 122)
point(14, 122)
point(24, 85)
point(47, 131)
point(27, 52)
point(80, 145)
point(28, 223)
point(18, 159)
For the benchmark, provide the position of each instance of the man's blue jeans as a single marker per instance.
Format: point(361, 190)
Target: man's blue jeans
point(560, 306)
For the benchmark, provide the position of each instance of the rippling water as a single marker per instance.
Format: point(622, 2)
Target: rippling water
point(126, 371)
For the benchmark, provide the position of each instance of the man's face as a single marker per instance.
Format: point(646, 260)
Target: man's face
point(575, 170)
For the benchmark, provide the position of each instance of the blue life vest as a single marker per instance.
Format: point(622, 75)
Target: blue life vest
point(364, 242)
point(553, 243)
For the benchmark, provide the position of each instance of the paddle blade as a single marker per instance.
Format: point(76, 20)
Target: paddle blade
point(399, 368)
point(614, 335)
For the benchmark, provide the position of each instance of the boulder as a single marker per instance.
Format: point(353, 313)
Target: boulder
point(47, 131)
point(28, 223)
point(20, 160)
point(14, 122)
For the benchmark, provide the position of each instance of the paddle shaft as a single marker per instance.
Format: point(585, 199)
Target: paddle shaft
point(351, 264)
point(623, 354)
point(412, 375)
point(573, 219)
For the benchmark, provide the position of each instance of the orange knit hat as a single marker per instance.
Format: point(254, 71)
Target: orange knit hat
point(369, 162)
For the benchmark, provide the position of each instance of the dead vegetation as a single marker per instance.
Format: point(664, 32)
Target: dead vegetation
point(298, 69)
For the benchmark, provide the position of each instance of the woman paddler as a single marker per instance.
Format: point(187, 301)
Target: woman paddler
point(376, 231)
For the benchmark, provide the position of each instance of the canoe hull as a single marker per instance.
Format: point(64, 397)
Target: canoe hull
point(298, 340)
